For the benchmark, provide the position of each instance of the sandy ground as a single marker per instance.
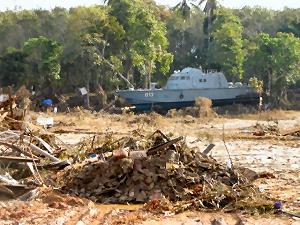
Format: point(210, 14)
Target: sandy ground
point(278, 155)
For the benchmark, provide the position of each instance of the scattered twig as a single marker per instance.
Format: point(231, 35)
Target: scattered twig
point(39, 178)
point(160, 147)
point(290, 214)
point(18, 159)
point(15, 148)
point(224, 142)
point(92, 146)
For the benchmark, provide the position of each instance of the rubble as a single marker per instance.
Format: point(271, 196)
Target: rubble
point(202, 109)
point(269, 129)
point(141, 168)
point(24, 151)
point(293, 132)
point(273, 129)
point(156, 169)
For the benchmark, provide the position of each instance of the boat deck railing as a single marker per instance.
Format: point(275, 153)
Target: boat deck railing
point(210, 71)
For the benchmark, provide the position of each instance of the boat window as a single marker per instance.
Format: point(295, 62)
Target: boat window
point(200, 80)
point(188, 78)
point(174, 78)
point(204, 80)
point(182, 78)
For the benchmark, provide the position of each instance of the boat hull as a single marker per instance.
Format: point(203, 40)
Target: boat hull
point(162, 99)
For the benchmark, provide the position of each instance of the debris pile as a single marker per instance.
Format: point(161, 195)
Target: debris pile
point(12, 116)
point(269, 129)
point(202, 109)
point(145, 119)
point(23, 151)
point(139, 169)
point(273, 129)
point(293, 132)
point(153, 169)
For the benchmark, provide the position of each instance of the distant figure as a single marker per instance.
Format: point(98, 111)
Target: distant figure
point(267, 106)
point(260, 104)
point(102, 97)
point(32, 90)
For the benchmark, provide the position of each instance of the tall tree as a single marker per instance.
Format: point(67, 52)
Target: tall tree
point(276, 61)
point(288, 21)
point(43, 61)
point(13, 67)
point(145, 43)
point(209, 8)
point(185, 7)
point(93, 36)
point(225, 50)
point(257, 20)
point(187, 39)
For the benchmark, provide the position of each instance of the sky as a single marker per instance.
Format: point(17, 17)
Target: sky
point(49, 4)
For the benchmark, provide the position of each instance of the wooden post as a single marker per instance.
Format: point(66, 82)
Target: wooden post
point(10, 102)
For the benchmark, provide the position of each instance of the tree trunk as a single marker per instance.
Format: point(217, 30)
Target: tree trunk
point(88, 91)
point(283, 101)
point(148, 75)
point(270, 82)
point(209, 21)
point(146, 81)
point(149, 80)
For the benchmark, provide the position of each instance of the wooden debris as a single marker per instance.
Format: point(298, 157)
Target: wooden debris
point(39, 151)
point(293, 131)
point(20, 150)
point(17, 159)
point(208, 149)
point(55, 165)
point(6, 193)
point(163, 146)
point(188, 179)
point(264, 130)
point(45, 144)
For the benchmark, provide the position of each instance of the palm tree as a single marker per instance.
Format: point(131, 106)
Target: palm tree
point(107, 2)
point(209, 9)
point(210, 6)
point(185, 6)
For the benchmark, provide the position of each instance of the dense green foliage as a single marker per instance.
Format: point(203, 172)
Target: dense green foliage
point(225, 48)
point(139, 41)
point(275, 60)
point(42, 60)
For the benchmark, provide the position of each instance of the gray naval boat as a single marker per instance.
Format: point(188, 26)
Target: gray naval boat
point(183, 87)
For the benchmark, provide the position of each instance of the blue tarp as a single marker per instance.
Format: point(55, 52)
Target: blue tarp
point(47, 102)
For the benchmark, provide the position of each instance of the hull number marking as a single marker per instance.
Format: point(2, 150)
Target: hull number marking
point(149, 94)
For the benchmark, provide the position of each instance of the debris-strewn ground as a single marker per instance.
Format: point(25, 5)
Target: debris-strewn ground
point(252, 141)
point(165, 173)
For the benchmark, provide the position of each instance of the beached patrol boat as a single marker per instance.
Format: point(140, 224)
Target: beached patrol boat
point(183, 87)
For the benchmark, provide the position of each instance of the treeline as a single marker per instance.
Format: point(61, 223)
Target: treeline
point(140, 41)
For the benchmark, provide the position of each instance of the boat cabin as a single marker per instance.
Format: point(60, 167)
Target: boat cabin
point(191, 78)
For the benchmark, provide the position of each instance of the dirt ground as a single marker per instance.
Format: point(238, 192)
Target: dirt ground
point(278, 156)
